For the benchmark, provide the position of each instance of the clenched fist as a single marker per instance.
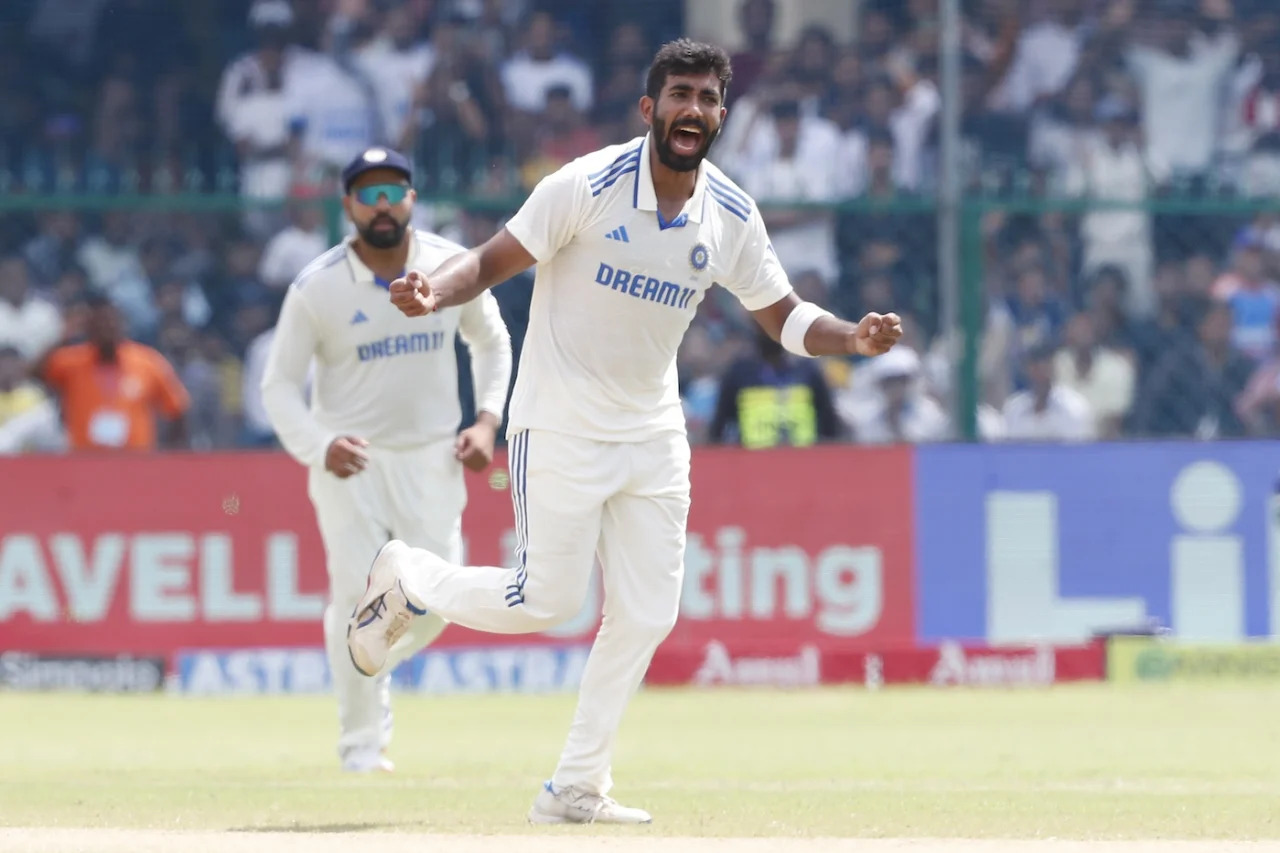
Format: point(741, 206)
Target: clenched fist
point(876, 334)
point(413, 295)
point(474, 446)
point(346, 456)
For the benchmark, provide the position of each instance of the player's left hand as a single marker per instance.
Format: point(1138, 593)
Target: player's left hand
point(876, 334)
point(474, 447)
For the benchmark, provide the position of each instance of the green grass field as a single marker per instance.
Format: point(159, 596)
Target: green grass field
point(1079, 762)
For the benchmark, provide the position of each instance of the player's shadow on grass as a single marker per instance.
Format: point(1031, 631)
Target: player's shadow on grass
point(319, 827)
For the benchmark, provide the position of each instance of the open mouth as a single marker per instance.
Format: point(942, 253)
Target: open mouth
point(686, 139)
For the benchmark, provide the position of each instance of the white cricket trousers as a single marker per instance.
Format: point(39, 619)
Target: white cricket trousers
point(575, 498)
point(416, 495)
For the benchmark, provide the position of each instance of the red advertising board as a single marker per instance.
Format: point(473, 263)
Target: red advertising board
point(147, 554)
point(800, 545)
point(717, 663)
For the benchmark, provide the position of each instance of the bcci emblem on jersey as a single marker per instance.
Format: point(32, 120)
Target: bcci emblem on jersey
point(698, 257)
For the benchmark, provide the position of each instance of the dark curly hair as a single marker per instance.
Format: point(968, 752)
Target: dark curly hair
point(685, 56)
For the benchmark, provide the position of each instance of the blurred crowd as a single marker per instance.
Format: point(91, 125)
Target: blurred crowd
point(1150, 308)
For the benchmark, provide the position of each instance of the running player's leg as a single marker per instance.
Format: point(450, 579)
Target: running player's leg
point(559, 484)
point(352, 531)
point(425, 496)
point(642, 551)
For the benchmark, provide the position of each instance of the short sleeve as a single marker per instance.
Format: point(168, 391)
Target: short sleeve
point(758, 279)
point(552, 214)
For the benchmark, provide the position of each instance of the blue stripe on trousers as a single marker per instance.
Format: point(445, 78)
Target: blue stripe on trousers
point(519, 472)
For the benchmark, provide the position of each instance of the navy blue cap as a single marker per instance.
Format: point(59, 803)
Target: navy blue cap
point(376, 158)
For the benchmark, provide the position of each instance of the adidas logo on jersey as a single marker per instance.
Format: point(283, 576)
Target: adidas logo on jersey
point(619, 233)
point(359, 318)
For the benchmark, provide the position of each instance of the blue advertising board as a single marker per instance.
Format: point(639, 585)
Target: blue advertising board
point(518, 669)
point(1017, 543)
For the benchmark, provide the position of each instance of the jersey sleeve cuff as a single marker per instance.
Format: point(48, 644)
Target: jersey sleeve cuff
point(767, 297)
point(517, 229)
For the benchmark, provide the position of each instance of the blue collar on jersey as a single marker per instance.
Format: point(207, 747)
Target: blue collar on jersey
point(383, 283)
point(679, 222)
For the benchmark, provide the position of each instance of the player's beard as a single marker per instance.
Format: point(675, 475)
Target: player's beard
point(681, 162)
point(387, 239)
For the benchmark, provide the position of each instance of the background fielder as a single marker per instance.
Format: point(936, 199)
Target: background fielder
point(627, 241)
point(380, 436)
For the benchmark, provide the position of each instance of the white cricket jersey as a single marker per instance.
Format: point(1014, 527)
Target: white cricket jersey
point(616, 289)
point(379, 375)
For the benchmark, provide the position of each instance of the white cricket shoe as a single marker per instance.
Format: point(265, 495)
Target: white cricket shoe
point(573, 805)
point(383, 614)
point(367, 762)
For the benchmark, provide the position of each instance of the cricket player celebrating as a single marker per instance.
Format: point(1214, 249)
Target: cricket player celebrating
point(380, 437)
point(626, 241)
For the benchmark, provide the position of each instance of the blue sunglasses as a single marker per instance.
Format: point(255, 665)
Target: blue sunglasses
point(369, 195)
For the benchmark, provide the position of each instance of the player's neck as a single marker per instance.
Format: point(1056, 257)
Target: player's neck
point(671, 188)
point(385, 263)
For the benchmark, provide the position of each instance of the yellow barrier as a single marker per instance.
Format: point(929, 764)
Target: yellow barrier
point(1133, 659)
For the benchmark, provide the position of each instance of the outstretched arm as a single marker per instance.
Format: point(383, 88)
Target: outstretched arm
point(761, 285)
point(463, 277)
point(790, 321)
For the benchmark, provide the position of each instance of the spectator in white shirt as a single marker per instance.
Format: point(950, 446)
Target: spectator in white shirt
point(395, 63)
point(110, 259)
point(331, 117)
point(1046, 56)
point(528, 75)
point(1061, 131)
point(906, 105)
point(28, 323)
point(296, 245)
point(1112, 166)
point(899, 411)
point(804, 167)
point(332, 108)
point(1102, 376)
point(113, 264)
point(252, 106)
point(1182, 82)
point(1047, 411)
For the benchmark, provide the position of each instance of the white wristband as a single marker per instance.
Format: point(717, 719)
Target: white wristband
point(798, 322)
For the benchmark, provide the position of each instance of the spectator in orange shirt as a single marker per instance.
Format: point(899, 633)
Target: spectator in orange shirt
point(112, 388)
